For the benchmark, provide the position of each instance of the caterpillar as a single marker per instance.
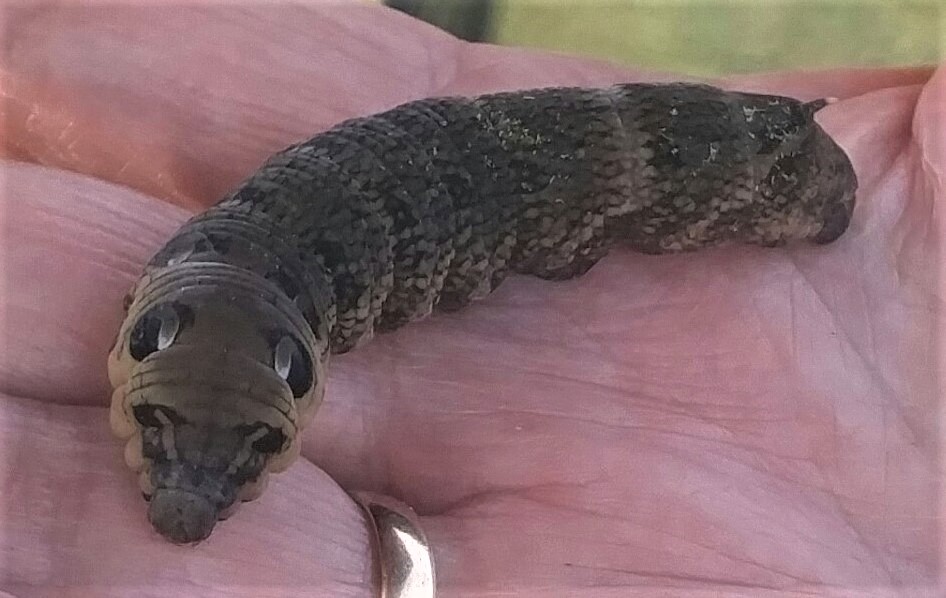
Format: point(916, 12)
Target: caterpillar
point(221, 359)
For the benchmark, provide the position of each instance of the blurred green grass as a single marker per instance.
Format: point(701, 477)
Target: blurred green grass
point(714, 37)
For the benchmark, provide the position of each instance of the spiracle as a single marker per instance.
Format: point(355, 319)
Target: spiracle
point(221, 360)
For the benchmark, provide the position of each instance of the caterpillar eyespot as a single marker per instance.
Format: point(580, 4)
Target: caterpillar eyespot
point(157, 329)
point(383, 219)
point(293, 364)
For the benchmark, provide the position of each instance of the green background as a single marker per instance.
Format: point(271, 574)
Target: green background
point(711, 37)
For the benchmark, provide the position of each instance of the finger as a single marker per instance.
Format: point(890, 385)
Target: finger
point(838, 83)
point(181, 102)
point(71, 247)
point(68, 495)
point(928, 131)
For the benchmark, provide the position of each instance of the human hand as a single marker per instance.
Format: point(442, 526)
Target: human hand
point(731, 421)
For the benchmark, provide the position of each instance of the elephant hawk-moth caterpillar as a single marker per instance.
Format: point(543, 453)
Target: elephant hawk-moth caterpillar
point(221, 359)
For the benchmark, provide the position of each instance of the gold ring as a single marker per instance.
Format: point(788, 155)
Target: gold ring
point(404, 555)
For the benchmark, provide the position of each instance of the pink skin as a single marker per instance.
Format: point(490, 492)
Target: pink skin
point(723, 422)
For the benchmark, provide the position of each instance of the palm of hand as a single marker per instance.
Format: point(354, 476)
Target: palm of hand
point(740, 417)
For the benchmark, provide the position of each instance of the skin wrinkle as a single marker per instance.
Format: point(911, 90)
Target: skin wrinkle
point(445, 73)
point(870, 545)
point(112, 261)
point(42, 235)
point(928, 232)
point(486, 497)
point(601, 353)
point(765, 324)
point(446, 509)
point(847, 336)
point(900, 240)
point(372, 47)
point(895, 152)
point(745, 448)
point(434, 68)
point(874, 551)
point(640, 401)
point(871, 329)
point(526, 495)
point(661, 404)
point(813, 541)
point(706, 579)
point(927, 103)
point(728, 459)
point(718, 585)
point(936, 175)
point(782, 573)
point(901, 220)
point(348, 26)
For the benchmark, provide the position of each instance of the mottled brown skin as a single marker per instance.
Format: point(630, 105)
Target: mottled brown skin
point(221, 360)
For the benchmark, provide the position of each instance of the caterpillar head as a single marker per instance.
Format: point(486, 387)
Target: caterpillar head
point(214, 377)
